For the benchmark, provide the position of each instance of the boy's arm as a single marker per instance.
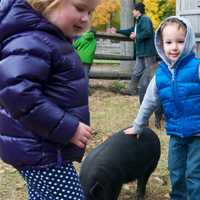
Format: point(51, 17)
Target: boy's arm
point(149, 104)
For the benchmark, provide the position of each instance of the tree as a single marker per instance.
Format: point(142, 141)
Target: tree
point(158, 10)
point(153, 11)
point(105, 13)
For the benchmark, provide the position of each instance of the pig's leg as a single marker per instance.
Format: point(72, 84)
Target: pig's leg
point(141, 186)
point(105, 192)
point(142, 181)
point(112, 191)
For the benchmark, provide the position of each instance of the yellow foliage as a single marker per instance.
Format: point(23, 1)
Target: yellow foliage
point(152, 11)
point(159, 9)
point(172, 2)
point(104, 11)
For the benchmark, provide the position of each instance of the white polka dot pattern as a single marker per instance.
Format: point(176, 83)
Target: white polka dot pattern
point(53, 183)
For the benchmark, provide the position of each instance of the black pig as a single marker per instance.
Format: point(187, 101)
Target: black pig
point(120, 159)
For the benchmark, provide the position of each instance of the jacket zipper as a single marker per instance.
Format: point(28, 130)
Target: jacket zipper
point(59, 157)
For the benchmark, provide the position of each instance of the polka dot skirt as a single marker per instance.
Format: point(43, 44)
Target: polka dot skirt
point(53, 183)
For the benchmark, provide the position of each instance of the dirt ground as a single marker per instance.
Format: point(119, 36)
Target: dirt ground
point(110, 112)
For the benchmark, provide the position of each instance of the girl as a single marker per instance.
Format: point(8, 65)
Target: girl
point(176, 85)
point(44, 116)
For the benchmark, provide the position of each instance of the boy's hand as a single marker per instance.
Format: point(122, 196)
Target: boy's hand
point(82, 135)
point(129, 131)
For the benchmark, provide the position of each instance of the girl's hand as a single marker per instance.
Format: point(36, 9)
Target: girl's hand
point(82, 135)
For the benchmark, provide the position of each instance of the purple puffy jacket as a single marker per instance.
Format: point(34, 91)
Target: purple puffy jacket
point(43, 92)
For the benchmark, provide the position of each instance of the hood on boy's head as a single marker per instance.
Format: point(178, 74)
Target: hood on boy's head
point(189, 40)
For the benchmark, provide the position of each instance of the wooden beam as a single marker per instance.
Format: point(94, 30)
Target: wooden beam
point(112, 36)
point(113, 57)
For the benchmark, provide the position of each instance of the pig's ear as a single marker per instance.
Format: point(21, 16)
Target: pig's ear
point(96, 191)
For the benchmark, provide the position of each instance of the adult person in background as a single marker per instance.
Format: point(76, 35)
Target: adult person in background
point(142, 34)
point(85, 46)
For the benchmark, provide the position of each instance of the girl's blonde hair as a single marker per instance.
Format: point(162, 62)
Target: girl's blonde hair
point(44, 6)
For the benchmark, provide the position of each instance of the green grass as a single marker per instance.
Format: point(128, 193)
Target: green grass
point(11, 184)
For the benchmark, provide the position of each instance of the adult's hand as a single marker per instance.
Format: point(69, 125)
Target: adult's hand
point(132, 35)
point(111, 30)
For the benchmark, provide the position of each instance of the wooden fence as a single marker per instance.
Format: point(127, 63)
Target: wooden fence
point(109, 48)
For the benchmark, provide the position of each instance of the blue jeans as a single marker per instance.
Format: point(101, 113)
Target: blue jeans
point(184, 167)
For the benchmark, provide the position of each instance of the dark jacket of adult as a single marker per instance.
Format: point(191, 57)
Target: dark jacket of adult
point(144, 42)
point(43, 92)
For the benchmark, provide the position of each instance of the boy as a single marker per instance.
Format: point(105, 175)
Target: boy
point(176, 85)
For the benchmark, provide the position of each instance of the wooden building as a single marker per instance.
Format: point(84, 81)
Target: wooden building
point(190, 9)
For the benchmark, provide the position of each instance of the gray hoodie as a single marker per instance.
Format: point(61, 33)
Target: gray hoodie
point(151, 98)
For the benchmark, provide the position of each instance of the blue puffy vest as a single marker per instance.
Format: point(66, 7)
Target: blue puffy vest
point(179, 94)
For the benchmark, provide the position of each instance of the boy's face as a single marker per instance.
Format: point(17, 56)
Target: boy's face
point(173, 41)
point(72, 16)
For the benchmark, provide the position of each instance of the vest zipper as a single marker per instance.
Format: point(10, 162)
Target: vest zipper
point(174, 89)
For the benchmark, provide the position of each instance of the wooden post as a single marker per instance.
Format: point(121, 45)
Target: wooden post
point(126, 21)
